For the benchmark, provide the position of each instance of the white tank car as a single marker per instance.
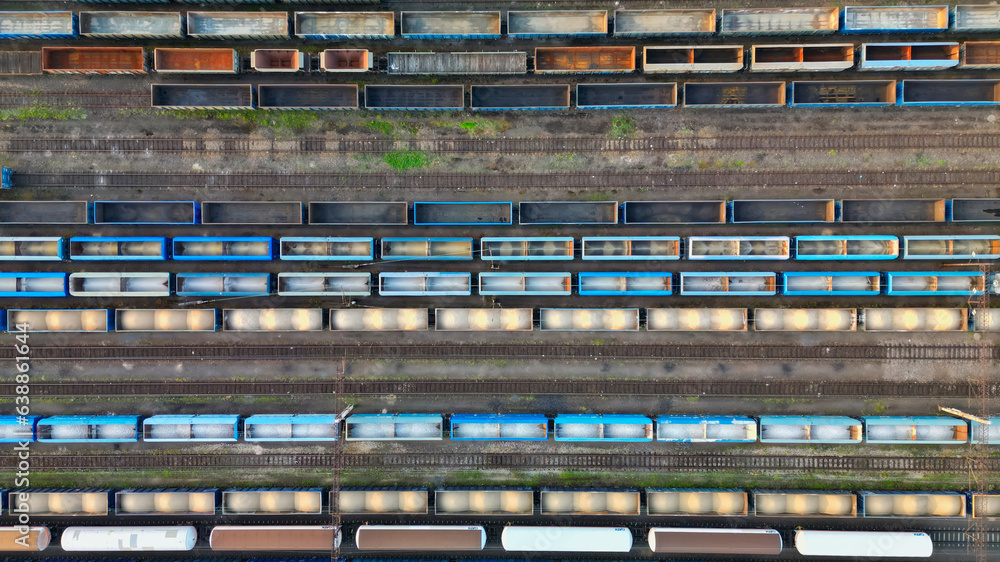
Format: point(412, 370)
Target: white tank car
point(122, 539)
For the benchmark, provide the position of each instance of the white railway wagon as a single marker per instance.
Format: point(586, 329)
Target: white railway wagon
point(164, 320)
point(590, 502)
point(272, 319)
point(90, 320)
point(165, 502)
point(593, 319)
point(805, 504)
point(383, 501)
point(379, 319)
point(484, 502)
point(121, 539)
point(805, 319)
point(696, 319)
point(68, 503)
point(483, 319)
point(696, 502)
point(566, 539)
point(915, 319)
point(273, 501)
point(148, 284)
point(31, 248)
point(324, 284)
point(866, 545)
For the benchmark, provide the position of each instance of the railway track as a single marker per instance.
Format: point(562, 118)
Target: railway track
point(314, 145)
point(574, 180)
point(776, 388)
point(509, 351)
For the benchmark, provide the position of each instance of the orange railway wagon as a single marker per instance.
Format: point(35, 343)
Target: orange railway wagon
point(196, 60)
point(13, 540)
point(93, 60)
point(589, 60)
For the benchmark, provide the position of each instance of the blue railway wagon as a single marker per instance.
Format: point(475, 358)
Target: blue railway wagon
point(166, 501)
point(727, 283)
point(310, 248)
point(632, 248)
point(222, 284)
point(738, 248)
point(696, 501)
point(706, 429)
point(37, 25)
point(31, 248)
point(14, 429)
point(394, 249)
point(33, 285)
point(525, 284)
point(625, 283)
point(345, 25)
point(67, 320)
point(903, 57)
point(296, 427)
point(183, 428)
point(982, 433)
point(424, 284)
point(145, 212)
point(128, 248)
point(395, 427)
point(878, 20)
point(603, 427)
point(919, 430)
point(449, 25)
point(832, 283)
point(975, 246)
point(529, 24)
point(499, 427)
point(6, 177)
point(810, 429)
point(242, 248)
point(949, 92)
point(460, 213)
point(924, 283)
point(783, 210)
point(295, 284)
point(89, 429)
point(567, 212)
point(546, 248)
point(847, 247)
point(912, 504)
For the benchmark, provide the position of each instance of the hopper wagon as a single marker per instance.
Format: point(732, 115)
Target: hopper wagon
point(589, 502)
point(379, 319)
point(831, 283)
point(272, 319)
point(696, 319)
point(31, 248)
point(182, 428)
point(169, 502)
point(241, 248)
point(846, 247)
point(499, 427)
point(304, 248)
point(525, 284)
point(272, 501)
point(534, 248)
point(773, 503)
point(165, 320)
point(706, 429)
point(631, 248)
point(111, 248)
point(113, 284)
point(692, 501)
point(477, 501)
point(222, 284)
point(483, 319)
point(908, 504)
point(383, 501)
point(89, 429)
point(609, 428)
point(291, 428)
point(588, 319)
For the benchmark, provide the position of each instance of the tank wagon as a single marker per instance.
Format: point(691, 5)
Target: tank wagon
point(275, 538)
point(439, 538)
point(859, 543)
point(383, 501)
point(566, 539)
point(124, 539)
point(24, 539)
point(699, 540)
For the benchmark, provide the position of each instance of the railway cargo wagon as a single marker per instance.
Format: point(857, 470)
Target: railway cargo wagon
point(33, 285)
point(245, 538)
point(625, 283)
point(201, 96)
point(810, 429)
point(949, 92)
point(980, 54)
point(395, 249)
point(567, 212)
point(499, 97)
point(449, 25)
point(746, 283)
point(739, 542)
point(237, 25)
point(589, 319)
point(451, 213)
point(918, 283)
point(383, 501)
point(24, 539)
point(847, 247)
point(131, 25)
point(779, 21)
point(324, 284)
point(31, 248)
point(291, 428)
point(145, 212)
point(25, 63)
point(528, 24)
point(772, 503)
point(171, 502)
point(396, 97)
point(584, 60)
point(691, 501)
point(893, 210)
point(915, 430)
point(985, 505)
point(309, 248)
point(987, 321)
point(499, 427)
point(145, 284)
point(821, 57)
point(37, 25)
point(642, 95)
point(734, 94)
point(985, 246)
point(738, 248)
point(483, 319)
point(222, 284)
point(783, 210)
point(457, 63)
point(544, 248)
point(989, 434)
point(696, 319)
point(345, 25)
point(908, 56)
point(706, 429)
point(976, 18)
point(589, 502)
point(630, 248)
point(272, 319)
point(241, 248)
point(183, 428)
point(420, 538)
point(128, 248)
point(18, 428)
point(566, 539)
point(126, 539)
point(346, 60)
point(251, 212)
point(63, 503)
point(93, 60)
point(424, 284)
point(473, 501)
point(831, 283)
point(379, 319)
point(842, 93)
point(196, 61)
point(609, 428)
point(525, 284)
point(863, 543)
point(966, 210)
point(805, 319)
point(909, 504)
point(59, 321)
point(878, 20)
point(915, 319)
point(278, 60)
point(272, 501)
point(359, 213)
point(43, 212)
point(165, 320)
point(89, 429)
point(674, 212)
point(664, 23)
point(395, 427)
point(692, 58)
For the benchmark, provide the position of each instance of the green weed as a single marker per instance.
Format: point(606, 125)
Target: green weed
point(406, 160)
point(382, 127)
point(42, 112)
point(622, 127)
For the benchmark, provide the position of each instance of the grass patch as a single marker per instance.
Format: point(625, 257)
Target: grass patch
point(622, 127)
point(260, 118)
point(42, 112)
point(381, 127)
point(484, 126)
point(406, 160)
